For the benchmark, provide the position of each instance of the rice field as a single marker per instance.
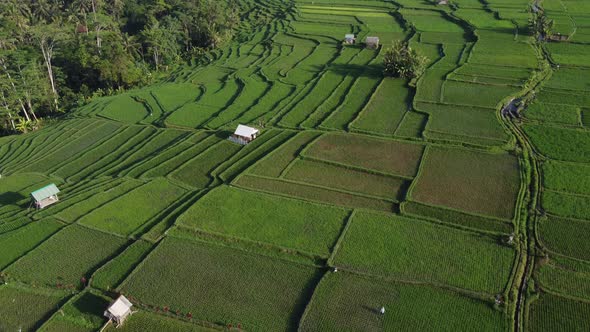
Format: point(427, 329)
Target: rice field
point(360, 191)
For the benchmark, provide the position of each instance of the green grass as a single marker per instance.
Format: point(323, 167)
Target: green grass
point(565, 236)
point(82, 313)
point(89, 159)
point(26, 309)
point(142, 321)
point(470, 181)
point(110, 275)
point(467, 121)
point(560, 143)
point(563, 281)
point(555, 113)
point(553, 313)
point(279, 159)
point(412, 125)
point(18, 242)
point(345, 302)
point(270, 219)
point(567, 177)
point(456, 217)
point(172, 96)
point(387, 156)
point(570, 79)
point(569, 53)
point(196, 171)
point(385, 109)
point(434, 21)
point(77, 144)
point(471, 94)
point(323, 88)
point(316, 194)
point(17, 188)
point(125, 109)
point(413, 250)
point(96, 200)
point(223, 285)
point(53, 263)
point(358, 95)
point(129, 212)
point(185, 152)
point(251, 153)
point(356, 181)
point(566, 205)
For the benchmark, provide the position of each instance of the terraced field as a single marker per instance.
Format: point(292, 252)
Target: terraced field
point(456, 201)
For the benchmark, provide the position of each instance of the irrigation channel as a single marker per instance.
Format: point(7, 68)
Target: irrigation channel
point(528, 207)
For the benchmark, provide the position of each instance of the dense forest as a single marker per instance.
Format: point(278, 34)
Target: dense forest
point(56, 54)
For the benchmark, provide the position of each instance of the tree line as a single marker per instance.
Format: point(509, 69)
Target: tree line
point(55, 54)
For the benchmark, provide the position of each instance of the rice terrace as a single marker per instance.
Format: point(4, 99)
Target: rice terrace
point(288, 179)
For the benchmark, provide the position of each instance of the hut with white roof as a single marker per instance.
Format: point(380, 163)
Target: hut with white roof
point(45, 196)
point(119, 310)
point(349, 39)
point(372, 42)
point(244, 134)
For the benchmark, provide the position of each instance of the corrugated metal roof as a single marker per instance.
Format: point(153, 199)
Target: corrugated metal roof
point(43, 193)
point(245, 131)
point(372, 39)
point(349, 36)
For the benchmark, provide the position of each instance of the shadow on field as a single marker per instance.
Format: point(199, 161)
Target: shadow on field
point(10, 198)
point(372, 70)
point(371, 309)
point(223, 134)
point(91, 304)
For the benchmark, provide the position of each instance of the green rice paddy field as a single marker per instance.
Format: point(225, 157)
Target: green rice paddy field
point(457, 201)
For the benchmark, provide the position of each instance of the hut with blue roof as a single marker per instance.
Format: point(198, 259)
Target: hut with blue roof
point(45, 196)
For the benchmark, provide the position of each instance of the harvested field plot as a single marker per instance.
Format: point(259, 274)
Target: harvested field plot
point(314, 193)
point(260, 217)
point(223, 285)
point(474, 182)
point(351, 180)
point(392, 157)
point(409, 249)
point(347, 302)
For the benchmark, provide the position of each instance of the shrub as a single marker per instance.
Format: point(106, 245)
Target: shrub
point(403, 61)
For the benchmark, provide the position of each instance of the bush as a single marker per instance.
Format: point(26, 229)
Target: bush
point(403, 61)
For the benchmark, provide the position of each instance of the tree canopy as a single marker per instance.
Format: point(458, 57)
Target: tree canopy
point(401, 60)
point(54, 54)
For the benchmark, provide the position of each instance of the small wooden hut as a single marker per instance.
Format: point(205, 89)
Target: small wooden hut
point(372, 42)
point(119, 310)
point(349, 39)
point(45, 196)
point(558, 37)
point(244, 134)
